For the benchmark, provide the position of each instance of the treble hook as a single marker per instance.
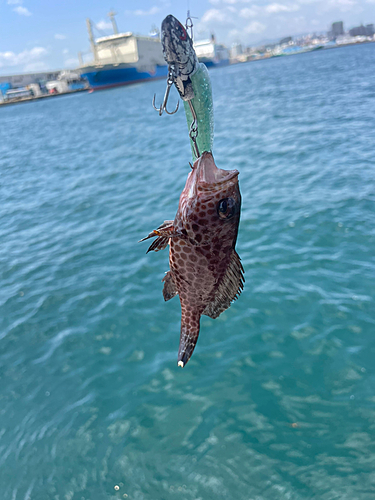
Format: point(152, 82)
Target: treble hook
point(163, 107)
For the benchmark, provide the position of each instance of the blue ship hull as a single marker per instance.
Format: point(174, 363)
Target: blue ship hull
point(210, 63)
point(102, 78)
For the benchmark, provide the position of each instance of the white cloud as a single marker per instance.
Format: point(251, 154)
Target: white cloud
point(309, 2)
point(35, 66)
point(37, 52)
point(233, 34)
point(6, 58)
point(275, 8)
point(214, 15)
point(22, 11)
point(342, 5)
point(27, 56)
point(249, 12)
point(104, 25)
point(60, 37)
point(65, 51)
point(254, 28)
point(218, 21)
point(140, 12)
point(72, 62)
point(230, 2)
point(250, 21)
point(14, 2)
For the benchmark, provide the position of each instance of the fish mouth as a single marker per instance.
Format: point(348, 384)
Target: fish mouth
point(208, 176)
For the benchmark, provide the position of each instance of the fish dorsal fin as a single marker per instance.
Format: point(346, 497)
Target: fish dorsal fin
point(229, 288)
point(169, 290)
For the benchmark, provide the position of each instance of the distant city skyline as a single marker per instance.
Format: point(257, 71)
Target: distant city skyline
point(40, 35)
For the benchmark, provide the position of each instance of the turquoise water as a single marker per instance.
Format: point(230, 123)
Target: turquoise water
point(278, 400)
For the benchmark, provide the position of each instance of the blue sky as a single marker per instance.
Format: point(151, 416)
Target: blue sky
point(39, 35)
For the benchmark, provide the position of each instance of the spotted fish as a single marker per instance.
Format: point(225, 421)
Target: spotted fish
point(179, 53)
point(205, 270)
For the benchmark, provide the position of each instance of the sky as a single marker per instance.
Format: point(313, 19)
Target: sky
point(36, 35)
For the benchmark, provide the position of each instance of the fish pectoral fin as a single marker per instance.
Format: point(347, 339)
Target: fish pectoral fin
point(190, 319)
point(159, 244)
point(162, 230)
point(163, 233)
point(166, 226)
point(169, 289)
point(229, 289)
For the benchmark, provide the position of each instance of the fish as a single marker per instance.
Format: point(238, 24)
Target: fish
point(179, 53)
point(205, 269)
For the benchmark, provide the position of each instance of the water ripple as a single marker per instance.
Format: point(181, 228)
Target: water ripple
point(277, 401)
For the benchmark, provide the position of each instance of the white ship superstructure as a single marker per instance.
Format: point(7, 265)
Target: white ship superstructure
point(123, 58)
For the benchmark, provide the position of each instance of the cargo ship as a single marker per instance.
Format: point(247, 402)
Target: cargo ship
point(122, 58)
point(212, 54)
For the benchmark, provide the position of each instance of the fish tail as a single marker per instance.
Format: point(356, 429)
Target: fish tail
point(190, 319)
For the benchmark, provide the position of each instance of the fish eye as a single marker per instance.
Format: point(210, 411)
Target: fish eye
point(226, 208)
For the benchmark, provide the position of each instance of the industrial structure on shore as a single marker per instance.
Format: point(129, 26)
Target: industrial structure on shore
point(24, 87)
point(124, 58)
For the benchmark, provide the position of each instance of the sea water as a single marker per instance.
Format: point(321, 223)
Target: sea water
point(278, 400)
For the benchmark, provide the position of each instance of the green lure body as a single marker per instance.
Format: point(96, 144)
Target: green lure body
point(203, 106)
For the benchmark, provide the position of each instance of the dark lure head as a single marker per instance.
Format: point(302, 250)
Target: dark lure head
point(177, 44)
point(210, 204)
point(179, 53)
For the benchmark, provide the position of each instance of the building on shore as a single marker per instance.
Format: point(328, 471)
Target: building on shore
point(22, 80)
point(236, 50)
point(35, 85)
point(362, 30)
point(286, 40)
point(337, 29)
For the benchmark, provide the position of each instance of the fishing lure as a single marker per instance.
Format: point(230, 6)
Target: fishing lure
point(205, 269)
point(193, 83)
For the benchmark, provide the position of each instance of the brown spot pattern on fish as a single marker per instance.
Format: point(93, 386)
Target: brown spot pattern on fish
point(205, 270)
